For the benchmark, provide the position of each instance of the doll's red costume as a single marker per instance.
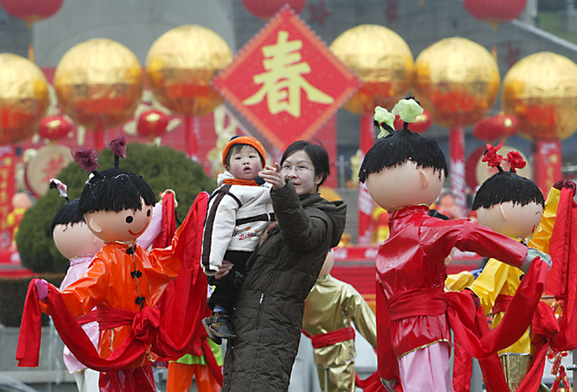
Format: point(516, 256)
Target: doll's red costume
point(412, 308)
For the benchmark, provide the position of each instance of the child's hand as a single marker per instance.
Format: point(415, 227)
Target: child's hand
point(273, 176)
point(223, 270)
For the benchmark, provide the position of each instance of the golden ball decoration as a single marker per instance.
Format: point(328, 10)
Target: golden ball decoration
point(541, 90)
point(24, 97)
point(99, 83)
point(180, 66)
point(381, 59)
point(457, 81)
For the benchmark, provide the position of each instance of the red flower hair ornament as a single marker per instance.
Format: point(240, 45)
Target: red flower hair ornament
point(493, 159)
point(516, 161)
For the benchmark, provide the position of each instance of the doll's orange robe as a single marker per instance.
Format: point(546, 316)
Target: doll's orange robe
point(109, 282)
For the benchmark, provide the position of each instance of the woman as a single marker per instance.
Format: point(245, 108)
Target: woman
point(282, 271)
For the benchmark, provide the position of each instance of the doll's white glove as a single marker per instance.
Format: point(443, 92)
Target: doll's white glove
point(531, 255)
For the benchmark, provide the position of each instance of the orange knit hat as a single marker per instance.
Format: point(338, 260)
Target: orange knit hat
point(249, 140)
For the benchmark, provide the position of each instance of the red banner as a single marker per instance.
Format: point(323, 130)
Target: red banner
point(286, 81)
point(7, 190)
point(547, 164)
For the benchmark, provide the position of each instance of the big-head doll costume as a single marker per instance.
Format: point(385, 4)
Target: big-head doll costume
point(404, 173)
point(123, 282)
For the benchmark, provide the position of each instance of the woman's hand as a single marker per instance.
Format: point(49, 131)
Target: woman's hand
point(273, 176)
point(223, 270)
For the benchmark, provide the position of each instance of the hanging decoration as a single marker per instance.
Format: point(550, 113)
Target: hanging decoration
point(24, 98)
point(495, 11)
point(265, 9)
point(152, 123)
point(31, 10)
point(54, 127)
point(500, 126)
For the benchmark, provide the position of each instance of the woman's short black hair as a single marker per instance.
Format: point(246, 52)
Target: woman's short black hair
point(316, 152)
point(115, 190)
point(507, 186)
point(68, 214)
point(401, 146)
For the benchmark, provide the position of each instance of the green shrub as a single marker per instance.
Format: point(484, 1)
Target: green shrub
point(162, 167)
point(12, 295)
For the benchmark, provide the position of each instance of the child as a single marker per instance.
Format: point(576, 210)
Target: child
point(238, 213)
point(404, 173)
point(329, 309)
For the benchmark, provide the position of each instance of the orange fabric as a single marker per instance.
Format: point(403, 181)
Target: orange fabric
point(109, 282)
point(236, 181)
point(180, 377)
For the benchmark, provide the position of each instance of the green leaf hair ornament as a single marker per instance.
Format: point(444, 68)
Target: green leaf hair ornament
point(385, 121)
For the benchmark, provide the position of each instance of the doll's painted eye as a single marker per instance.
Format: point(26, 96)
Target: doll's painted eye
point(129, 219)
point(148, 213)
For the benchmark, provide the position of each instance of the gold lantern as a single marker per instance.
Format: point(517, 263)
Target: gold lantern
point(381, 59)
point(24, 97)
point(457, 81)
point(541, 90)
point(99, 83)
point(180, 65)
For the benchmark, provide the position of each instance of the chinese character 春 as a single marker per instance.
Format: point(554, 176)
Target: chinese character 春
point(283, 81)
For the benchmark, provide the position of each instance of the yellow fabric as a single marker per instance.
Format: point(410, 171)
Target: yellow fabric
point(457, 282)
point(502, 279)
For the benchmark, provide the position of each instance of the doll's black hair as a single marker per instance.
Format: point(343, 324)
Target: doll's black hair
point(401, 146)
point(68, 214)
point(507, 186)
point(115, 190)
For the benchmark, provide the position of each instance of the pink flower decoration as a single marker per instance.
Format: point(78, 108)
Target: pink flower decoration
point(118, 146)
point(87, 158)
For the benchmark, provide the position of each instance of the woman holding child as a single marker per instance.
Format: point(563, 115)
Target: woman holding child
point(268, 315)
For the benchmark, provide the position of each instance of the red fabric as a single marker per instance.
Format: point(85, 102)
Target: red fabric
point(166, 334)
point(332, 337)
point(367, 382)
point(463, 315)
point(87, 318)
point(502, 303)
point(562, 280)
point(462, 369)
point(168, 222)
point(418, 302)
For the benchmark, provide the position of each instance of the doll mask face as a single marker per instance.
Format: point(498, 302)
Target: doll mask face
point(76, 240)
point(513, 220)
point(405, 185)
point(124, 226)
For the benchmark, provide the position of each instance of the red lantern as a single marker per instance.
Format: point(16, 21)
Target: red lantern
point(152, 123)
point(423, 123)
point(54, 127)
point(265, 9)
point(495, 11)
point(499, 126)
point(31, 10)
